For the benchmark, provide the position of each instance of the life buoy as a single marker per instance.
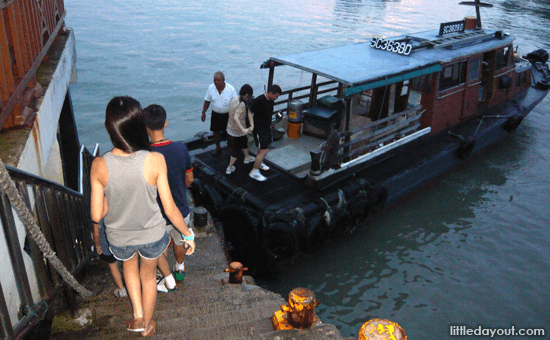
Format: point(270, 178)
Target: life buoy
point(198, 192)
point(513, 122)
point(314, 234)
point(377, 198)
point(214, 200)
point(241, 229)
point(466, 148)
point(279, 240)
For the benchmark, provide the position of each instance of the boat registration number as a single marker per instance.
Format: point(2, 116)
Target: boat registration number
point(391, 46)
point(452, 27)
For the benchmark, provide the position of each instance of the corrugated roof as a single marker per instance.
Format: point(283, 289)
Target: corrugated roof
point(359, 63)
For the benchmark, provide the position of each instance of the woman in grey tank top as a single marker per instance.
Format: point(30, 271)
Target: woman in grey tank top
point(125, 183)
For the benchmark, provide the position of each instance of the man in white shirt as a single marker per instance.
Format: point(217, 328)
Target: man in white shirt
point(220, 95)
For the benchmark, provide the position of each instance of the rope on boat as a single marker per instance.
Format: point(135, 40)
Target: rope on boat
point(8, 187)
point(328, 211)
point(298, 214)
point(481, 121)
point(240, 192)
point(341, 199)
point(364, 183)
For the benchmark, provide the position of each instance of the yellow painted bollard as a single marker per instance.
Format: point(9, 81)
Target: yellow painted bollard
point(381, 329)
point(235, 273)
point(299, 313)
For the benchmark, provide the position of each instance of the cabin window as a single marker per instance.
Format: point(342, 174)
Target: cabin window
point(473, 72)
point(452, 75)
point(524, 77)
point(518, 79)
point(502, 57)
point(418, 83)
point(417, 86)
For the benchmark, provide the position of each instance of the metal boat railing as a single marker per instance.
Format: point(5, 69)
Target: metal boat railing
point(342, 147)
point(314, 91)
point(382, 131)
point(27, 30)
point(63, 216)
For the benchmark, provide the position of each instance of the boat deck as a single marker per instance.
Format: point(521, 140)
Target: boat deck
point(292, 154)
point(289, 160)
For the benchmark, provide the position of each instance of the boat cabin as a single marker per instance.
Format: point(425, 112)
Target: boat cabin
point(367, 98)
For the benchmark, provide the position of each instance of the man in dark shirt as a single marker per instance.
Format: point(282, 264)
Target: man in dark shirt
point(180, 176)
point(262, 109)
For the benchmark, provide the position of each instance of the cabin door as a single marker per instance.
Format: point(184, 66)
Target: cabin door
point(487, 72)
point(473, 83)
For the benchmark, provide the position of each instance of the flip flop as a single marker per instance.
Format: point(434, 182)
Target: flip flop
point(136, 325)
point(150, 329)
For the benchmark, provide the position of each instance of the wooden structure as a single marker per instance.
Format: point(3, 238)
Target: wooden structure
point(27, 30)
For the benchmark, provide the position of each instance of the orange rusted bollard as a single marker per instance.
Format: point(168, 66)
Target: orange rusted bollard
point(381, 329)
point(235, 273)
point(299, 313)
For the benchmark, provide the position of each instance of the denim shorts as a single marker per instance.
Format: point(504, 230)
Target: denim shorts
point(149, 251)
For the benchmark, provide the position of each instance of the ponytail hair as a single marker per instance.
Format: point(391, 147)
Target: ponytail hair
point(246, 89)
point(125, 124)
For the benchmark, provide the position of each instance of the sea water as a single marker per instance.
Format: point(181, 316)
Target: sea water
point(470, 249)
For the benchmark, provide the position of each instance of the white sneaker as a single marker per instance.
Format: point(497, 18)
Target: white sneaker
point(230, 170)
point(161, 286)
point(249, 159)
point(121, 293)
point(255, 173)
point(264, 167)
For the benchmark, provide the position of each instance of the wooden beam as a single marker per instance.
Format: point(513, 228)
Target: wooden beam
point(313, 90)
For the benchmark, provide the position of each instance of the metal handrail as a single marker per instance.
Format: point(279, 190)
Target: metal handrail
point(381, 131)
point(63, 216)
point(291, 92)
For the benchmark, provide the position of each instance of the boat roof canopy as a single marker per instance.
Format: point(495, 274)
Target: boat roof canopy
point(362, 67)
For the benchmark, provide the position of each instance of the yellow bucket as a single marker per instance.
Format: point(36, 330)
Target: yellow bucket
point(294, 129)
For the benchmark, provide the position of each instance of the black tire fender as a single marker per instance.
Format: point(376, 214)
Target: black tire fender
point(543, 84)
point(340, 216)
point(214, 200)
point(204, 135)
point(279, 240)
point(513, 122)
point(198, 192)
point(466, 148)
point(241, 227)
point(314, 235)
point(377, 198)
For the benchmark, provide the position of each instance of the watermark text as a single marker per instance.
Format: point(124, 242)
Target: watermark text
point(491, 332)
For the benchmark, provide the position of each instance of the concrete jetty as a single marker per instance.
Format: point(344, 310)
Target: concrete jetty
point(203, 308)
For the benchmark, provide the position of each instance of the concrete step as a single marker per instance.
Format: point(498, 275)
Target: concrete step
point(203, 308)
point(221, 306)
point(206, 295)
point(249, 330)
